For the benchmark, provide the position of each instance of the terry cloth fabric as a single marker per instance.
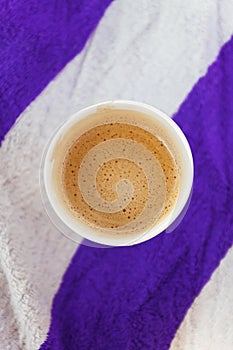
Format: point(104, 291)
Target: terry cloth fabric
point(136, 297)
point(37, 41)
point(174, 291)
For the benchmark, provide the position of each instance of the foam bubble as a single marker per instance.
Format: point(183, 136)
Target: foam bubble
point(119, 177)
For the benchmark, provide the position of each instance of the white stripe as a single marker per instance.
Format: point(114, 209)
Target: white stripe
point(208, 324)
point(151, 51)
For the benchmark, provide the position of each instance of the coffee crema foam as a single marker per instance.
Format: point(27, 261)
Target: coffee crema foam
point(114, 173)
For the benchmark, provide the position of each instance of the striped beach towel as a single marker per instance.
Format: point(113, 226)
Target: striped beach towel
point(174, 291)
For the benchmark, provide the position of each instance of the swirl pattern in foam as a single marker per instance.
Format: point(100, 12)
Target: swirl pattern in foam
point(117, 176)
point(122, 184)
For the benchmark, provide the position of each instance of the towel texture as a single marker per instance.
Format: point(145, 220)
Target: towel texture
point(173, 292)
point(38, 40)
point(136, 297)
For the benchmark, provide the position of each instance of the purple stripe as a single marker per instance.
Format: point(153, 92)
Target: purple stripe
point(136, 297)
point(37, 39)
